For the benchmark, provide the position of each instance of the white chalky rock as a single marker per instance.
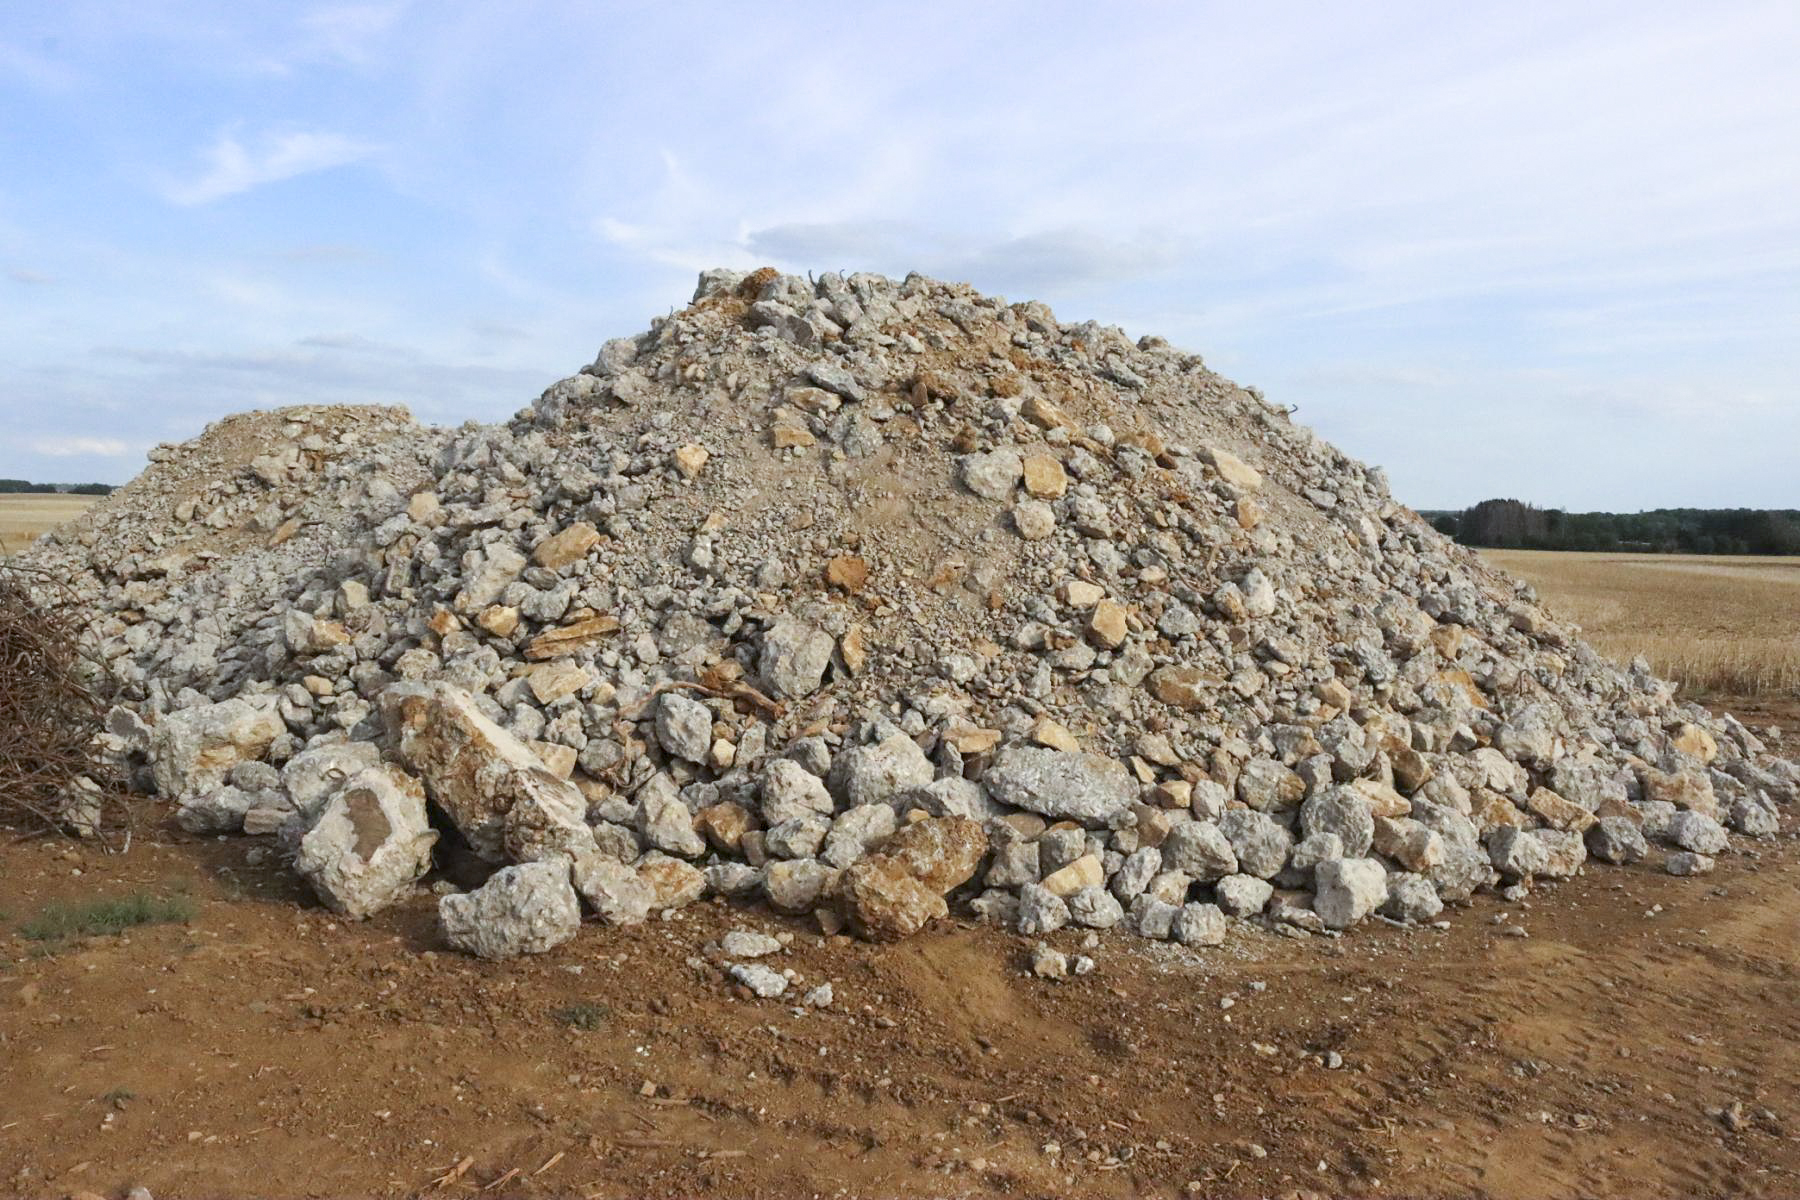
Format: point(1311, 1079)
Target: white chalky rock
point(1517, 853)
point(1047, 962)
point(665, 821)
point(1686, 862)
point(1616, 840)
point(1755, 816)
point(1408, 843)
point(476, 771)
point(1698, 832)
point(1346, 890)
point(370, 844)
point(993, 475)
point(217, 810)
point(789, 790)
point(684, 726)
point(1200, 849)
point(1199, 925)
point(855, 832)
point(802, 837)
point(1095, 907)
point(1040, 910)
point(1061, 785)
point(765, 982)
point(193, 749)
point(1341, 811)
point(1034, 520)
point(1564, 852)
point(794, 657)
point(1411, 898)
point(744, 943)
point(315, 775)
point(1153, 918)
point(874, 774)
point(1231, 468)
point(1136, 872)
point(1242, 895)
point(795, 885)
point(1260, 842)
point(614, 890)
point(526, 909)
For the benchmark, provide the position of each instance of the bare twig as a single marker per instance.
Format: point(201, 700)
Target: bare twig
point(54, 693)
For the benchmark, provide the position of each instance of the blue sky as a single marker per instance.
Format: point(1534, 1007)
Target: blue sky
point(1542, 250)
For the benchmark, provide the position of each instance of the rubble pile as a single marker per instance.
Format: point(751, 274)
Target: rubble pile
point(874, 600)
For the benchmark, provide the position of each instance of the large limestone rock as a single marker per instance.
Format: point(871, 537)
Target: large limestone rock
point(193, 749)
point(1347, 890)
point(684, 726)
point(476, 771)
point(896, 892)
point(1199, 849)
point(613, 889)
point(794, 657)
point(873, 774)
point(884, 902)
point(789, 791)
point(371, 843)
point(940, 853)
point(1060, 785)
point(315, 775)
point(665, 822)
point(524, 909)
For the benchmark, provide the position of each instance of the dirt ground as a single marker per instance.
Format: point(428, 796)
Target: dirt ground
point(1640, 1038)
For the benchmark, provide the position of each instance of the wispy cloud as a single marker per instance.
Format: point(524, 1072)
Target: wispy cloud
point(28, 277)
point(77, 447)
point(233, 167)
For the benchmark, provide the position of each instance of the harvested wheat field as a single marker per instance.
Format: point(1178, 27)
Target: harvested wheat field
point(24, 516)
point(1727, 624)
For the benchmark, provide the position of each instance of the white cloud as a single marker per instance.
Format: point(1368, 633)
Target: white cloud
point(233, 167)
point(73, 447)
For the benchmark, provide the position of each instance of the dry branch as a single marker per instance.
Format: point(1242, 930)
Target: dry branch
point(53, 700)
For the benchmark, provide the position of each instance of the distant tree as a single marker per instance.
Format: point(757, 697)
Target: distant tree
point(1512, 523)
point(1502, 523)
point(91, 489)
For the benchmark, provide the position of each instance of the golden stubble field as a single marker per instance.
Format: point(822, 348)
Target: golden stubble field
point(24, 516)
point(1714, 624)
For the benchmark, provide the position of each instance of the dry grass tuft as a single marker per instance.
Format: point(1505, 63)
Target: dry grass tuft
point(1714, 625)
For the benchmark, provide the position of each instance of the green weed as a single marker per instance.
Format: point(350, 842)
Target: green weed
point(60, 922)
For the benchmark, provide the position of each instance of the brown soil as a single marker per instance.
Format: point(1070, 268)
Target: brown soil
point(268, 1048)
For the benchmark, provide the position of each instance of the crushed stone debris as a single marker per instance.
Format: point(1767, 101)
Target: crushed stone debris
point(874, 600)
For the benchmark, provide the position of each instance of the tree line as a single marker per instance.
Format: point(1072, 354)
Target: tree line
point(14, 486)
point(1513, 524)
